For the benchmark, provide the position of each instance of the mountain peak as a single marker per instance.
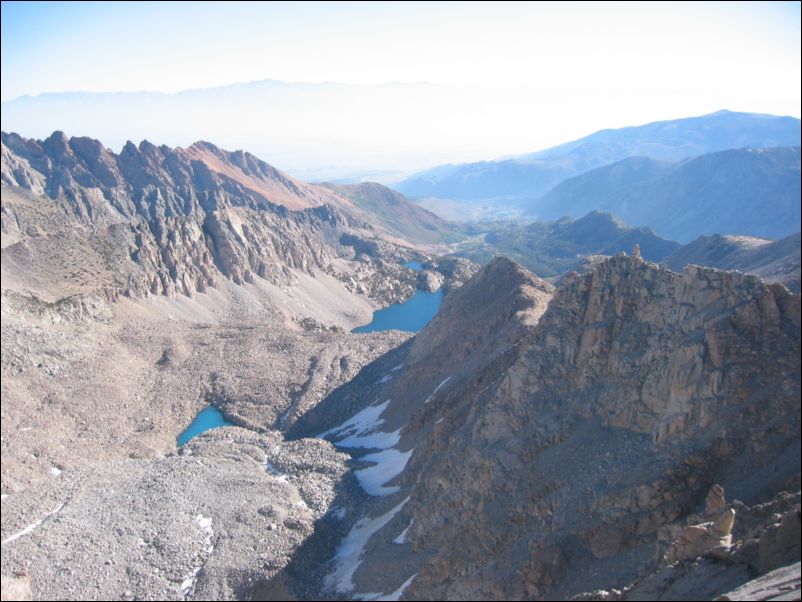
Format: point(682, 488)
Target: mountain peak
point(57, 143)
point(205, 145)
point(478, 315)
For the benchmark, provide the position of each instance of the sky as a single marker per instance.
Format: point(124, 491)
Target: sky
point(568, 68)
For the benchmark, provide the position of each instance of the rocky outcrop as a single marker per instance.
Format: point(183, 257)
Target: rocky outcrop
point(712, 531)
point(727, 572)
point(429, 280)
point(386, 282)
point(779, 543)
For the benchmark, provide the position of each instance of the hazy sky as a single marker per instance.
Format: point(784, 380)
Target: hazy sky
point(677, 58)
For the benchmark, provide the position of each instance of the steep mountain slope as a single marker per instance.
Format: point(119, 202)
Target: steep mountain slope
point(552, 248)
point(398, 215)
point(528, 454)
point(530, 176)
point(749, 191)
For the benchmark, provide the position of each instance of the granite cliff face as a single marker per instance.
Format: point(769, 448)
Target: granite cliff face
point(547, 455)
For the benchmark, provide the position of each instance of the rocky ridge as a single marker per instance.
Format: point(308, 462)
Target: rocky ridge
point(546, 452)
point(158, 220)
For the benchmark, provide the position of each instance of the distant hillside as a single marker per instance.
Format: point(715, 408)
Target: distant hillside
point(774, 261)
point(551, 248)
point(752, 192)
point(530, 176)
point(398, 215)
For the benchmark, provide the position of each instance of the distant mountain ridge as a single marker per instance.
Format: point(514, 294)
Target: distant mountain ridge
point(773, 261)
point(551, 248)
point(532, 175)
point(397, 214)
point(746, 191)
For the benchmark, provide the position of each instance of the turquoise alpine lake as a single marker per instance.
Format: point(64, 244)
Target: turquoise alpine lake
point(414, 265)
point(410, 316)
point(208, 418)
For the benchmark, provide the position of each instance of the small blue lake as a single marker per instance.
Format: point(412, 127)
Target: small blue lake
point(414, 265)
point(209, 418)
point(410, 316)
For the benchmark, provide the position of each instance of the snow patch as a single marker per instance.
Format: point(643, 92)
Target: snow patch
point(349, 553)
point(384, 379)
point(377, 440)
point(436, 389)
point(32, 526)
point(439, 420)
point(398, 367)
point(440, 386)
point(394, 596)
point(402, 537)
point(388, 464)
point(188, 584)
point(205, 525)
point(280, 476)
point(55, 471)
point(361, 430)
point(25, 428)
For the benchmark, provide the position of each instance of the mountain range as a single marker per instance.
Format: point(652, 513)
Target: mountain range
point(317, 131)
point(751, 191)
point(527, 177)
point(626, 430)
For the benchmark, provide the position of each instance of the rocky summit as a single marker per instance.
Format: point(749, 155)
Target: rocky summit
point(628, 433)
